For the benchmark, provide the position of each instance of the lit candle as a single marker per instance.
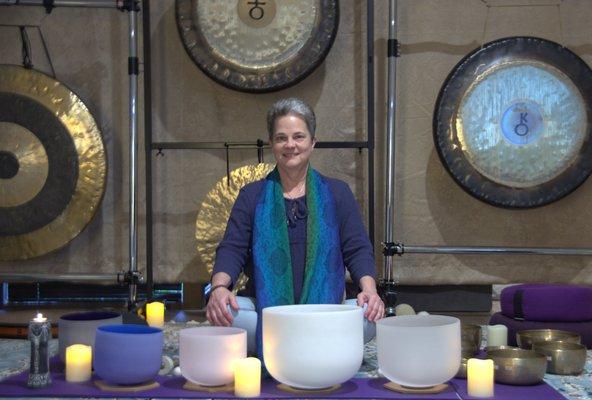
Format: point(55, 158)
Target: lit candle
point(480, 377)
point(497, 335)
point(39, 318)
point(78, 363)
point(247, 377)
point(155, 314)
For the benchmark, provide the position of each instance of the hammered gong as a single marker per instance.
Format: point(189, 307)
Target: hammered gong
point(52, 164)
point(257, 45)
point(512, 122)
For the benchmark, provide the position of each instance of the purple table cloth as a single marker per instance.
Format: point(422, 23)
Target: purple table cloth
point(172, 387)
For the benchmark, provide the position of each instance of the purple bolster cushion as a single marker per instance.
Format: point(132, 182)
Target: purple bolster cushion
point(547, 302)
point(583, 328)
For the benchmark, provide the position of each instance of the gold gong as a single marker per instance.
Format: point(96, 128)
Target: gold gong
point(52, 164)
point(215, 210)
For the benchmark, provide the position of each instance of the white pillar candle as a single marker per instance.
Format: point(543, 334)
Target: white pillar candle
point(78, 363)
point(480, 377)
point(155, 314)
point(497, 335)
point(247, 377)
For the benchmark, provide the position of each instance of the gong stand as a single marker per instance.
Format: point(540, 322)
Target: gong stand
point(132, 277)
point(387, 284)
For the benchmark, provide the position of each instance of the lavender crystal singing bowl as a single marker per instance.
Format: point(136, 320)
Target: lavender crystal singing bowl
point(419, 350)
point(127, 354)
point(207, 354)
point(313, 346)
point(81, 327)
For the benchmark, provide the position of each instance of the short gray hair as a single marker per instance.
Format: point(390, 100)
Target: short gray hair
point(291, 106)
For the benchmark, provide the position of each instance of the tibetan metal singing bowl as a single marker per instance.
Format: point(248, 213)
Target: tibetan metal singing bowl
point(257, 45)
point(513, 122)
point(53, 166)
point(518, 366)
point(564, 358)
point(470, 339)
point(527, 338)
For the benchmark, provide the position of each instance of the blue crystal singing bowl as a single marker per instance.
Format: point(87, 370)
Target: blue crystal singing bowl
point(127, 354)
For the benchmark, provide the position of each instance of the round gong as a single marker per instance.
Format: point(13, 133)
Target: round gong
point(257, 45)
point(512, 123)
point(215, 210)
point(52, 164)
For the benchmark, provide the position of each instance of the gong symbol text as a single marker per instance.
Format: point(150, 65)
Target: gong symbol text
point(256, 12)
point(521, 129)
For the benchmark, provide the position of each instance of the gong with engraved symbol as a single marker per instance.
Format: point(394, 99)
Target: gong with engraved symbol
point(52, 164)
point(257, 45)
point(513, 122)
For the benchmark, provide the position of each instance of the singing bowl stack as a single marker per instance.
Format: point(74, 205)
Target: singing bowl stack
point(518, 366)
point(527, 338)
point(313, 346)
point(564, 358)
point(419, 350)
point(470, 339)
point(52, 164)
point(513, 122)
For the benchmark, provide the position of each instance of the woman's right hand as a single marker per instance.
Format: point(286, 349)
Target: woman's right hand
point(217, 308)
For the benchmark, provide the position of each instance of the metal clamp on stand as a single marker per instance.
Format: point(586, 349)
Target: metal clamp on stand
point(131, 279)
point(387, 287)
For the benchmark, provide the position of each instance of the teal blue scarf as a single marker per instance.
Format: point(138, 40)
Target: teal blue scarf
point(324, 281)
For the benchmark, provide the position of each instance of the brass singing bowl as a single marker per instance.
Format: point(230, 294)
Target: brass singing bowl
point(462, 370)
point(564, 358)
point(527, 338)
point(518, 366)
point(494, 348)
point(470, 339)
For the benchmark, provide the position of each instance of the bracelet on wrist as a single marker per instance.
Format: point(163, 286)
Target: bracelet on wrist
point(217, 287)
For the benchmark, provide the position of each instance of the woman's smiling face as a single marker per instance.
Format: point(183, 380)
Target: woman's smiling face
point(292, 143)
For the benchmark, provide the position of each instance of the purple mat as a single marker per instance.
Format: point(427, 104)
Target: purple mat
point(509, 392)
point(583, 328)
point(16, 386)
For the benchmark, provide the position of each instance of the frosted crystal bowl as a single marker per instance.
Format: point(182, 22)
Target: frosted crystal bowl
point(81, 328)
point(313, 346)
point(207, 354)
point(419, 350)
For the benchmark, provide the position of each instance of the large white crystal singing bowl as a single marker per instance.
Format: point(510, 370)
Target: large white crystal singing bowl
point(313, 346)
point(418, 350)
point(207, 354)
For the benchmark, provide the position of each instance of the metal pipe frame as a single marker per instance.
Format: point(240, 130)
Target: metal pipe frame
point(248, 145)
point(546, 251)
point(147, 54)
point(16, 277)
point(390, 139)
point(133, 173)
point(370, 112)
point(63, 3)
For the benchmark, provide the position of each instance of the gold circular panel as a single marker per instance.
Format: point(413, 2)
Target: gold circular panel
point(32, 165)
point(70, 115)
point(215, 210)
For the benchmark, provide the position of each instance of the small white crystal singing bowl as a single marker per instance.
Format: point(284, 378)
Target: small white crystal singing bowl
point(313, 346)
point(419, 350)
point(207, 354)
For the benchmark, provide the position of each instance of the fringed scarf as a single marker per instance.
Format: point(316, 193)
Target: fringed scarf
point(324, 281)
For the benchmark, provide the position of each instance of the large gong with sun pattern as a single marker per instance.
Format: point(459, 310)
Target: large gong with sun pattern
point(52, 164)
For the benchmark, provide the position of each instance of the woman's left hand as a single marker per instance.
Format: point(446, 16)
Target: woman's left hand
point(375, 310)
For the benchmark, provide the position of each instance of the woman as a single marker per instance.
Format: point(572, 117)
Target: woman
point(294, 231)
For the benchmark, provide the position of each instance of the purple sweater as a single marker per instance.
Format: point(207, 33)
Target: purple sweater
point(234, 251)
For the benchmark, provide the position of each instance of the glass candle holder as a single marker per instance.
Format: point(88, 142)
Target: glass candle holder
point(39, 335)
